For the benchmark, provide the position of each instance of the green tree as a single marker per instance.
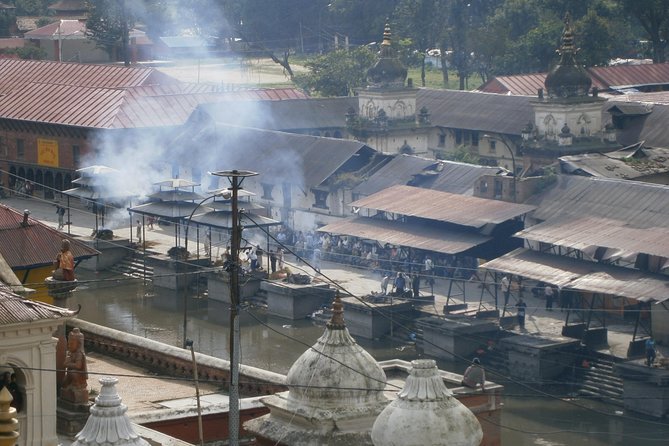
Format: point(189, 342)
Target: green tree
point(108, 24)
point(653, 16)
point(421, 21)
point(361, 20)
point(337, 73)
point(31, 7)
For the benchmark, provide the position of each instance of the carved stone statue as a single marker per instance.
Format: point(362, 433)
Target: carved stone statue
point(74, 387)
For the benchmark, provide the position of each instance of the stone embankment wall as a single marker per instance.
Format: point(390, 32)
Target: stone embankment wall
point(173, 361)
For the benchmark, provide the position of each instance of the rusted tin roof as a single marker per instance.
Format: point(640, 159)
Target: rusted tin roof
point(445, 176)
point(581, 275)
point(638, 205)
point(59, 30)
point(626, 76)
point(15, 309)
point(414, 235)
point(604, 78)
point(442, 206)
point(473, 110)
point(589, 233)
point(630, 163)
point(109, 108)
point(17, 73)
point(35, 244)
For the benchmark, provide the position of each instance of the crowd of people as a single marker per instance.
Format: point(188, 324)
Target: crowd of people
point(387, 259)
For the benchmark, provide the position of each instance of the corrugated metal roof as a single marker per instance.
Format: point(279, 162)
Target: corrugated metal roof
point(166, 209)
point(587, 233)
point(473, 110)
point(17, 73)
point(223, 220)
point(60, 30)
point(623, 76)
point(64, 104)
point(580, 275)
point(298, 159)
point(639, 205)
point(442, 206)
point(604, 78)
point(15, 309)
point(651, 128)
point(445, 176)
point(619, 164)
point(517, 85)
point(419, 236)
point(110, 108)
point(35, 244)
point(655, 97)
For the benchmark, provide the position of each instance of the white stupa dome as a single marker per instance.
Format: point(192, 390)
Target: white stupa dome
point(426, 413)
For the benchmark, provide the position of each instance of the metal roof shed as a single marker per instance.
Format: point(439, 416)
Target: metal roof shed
point(581, 275)
point(419, 236)
point(443, 206)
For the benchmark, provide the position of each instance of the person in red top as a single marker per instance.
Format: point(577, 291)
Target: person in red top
point(64, 263)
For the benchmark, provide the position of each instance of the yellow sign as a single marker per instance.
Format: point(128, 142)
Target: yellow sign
point(47, 152)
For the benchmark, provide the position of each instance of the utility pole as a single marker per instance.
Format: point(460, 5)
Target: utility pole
point(124, 37)
point(236, 177)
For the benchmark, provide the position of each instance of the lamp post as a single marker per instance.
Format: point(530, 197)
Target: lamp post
point(236, 177)
point(513, 162)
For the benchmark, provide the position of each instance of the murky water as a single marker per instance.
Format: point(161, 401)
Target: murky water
point(529, 418)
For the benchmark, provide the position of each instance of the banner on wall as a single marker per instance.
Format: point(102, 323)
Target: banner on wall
point(47, 152)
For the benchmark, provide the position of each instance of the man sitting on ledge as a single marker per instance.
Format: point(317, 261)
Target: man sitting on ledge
point(64, 263)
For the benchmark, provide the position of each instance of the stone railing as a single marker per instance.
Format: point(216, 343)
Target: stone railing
point(173, 361)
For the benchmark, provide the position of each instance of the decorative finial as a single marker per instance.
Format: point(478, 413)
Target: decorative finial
point(387, 35)
point(337, 320)
point(567, 38)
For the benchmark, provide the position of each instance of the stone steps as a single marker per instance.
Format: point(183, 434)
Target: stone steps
point(133, 267)
point(601, 381)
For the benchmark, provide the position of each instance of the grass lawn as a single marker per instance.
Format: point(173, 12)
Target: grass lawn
point(434, 79)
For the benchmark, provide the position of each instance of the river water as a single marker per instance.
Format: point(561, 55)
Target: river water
point(528, 417)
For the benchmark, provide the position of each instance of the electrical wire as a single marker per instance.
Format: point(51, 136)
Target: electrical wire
point(382, 313)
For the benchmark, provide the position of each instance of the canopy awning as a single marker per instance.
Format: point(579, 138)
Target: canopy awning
point(419, 236)
point(589, 233)
point(223, 220)
point(581, 275)
point(165, 209)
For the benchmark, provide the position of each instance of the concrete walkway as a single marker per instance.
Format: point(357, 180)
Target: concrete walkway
point(357, 281)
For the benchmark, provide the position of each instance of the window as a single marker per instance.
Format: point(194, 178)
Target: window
point(484, 186)
point(493, 146)
point(498, 189)
point(475, 139)
point(76, 155)
point(442, 140)
point(20, 149)
point(458, 137)
point(267, 191)
point(321, 199)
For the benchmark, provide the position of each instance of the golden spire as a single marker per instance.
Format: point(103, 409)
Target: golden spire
point(337, 320)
